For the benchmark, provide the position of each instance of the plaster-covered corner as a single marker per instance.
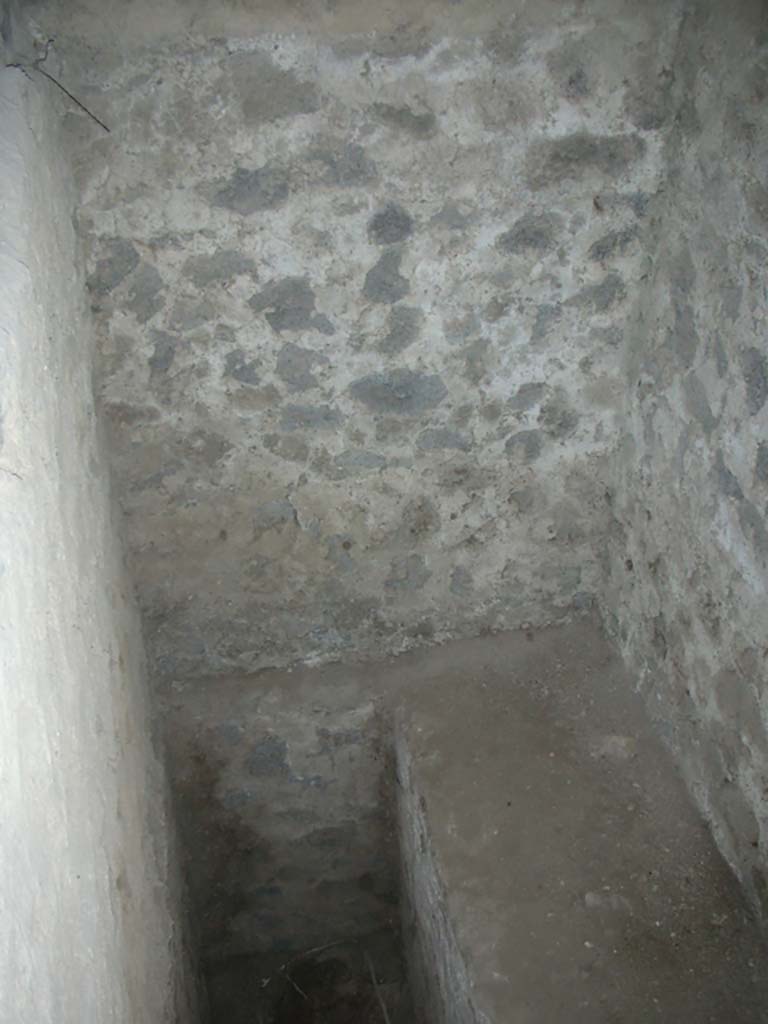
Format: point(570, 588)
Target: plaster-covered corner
point(90, 896)
point(358, 313)
point(686, 595)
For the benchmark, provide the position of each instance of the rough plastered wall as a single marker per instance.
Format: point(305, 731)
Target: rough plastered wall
point(687, 593)
point(359, 278)
point(89, 890)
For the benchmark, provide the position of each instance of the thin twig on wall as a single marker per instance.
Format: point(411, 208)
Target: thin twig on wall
point(35, 65)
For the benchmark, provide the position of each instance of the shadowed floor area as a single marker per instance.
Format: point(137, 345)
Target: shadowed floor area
point(356, 982)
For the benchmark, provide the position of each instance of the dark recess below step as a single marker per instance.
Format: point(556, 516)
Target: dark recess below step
point(326, 986)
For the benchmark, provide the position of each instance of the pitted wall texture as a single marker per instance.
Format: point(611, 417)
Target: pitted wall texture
point(90, 895)
point(687, 587)
point(360, 302)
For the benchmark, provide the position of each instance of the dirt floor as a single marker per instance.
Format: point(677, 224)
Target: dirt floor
point(355, 982)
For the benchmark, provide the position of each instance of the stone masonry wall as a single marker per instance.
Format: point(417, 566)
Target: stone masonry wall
point(360, 300)
point(686, 597)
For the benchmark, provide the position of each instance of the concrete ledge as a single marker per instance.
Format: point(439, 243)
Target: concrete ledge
point(555, 869)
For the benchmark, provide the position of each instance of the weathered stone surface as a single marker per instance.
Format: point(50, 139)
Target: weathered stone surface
point(187, 314)
point(407, 572)
point(726, 481)
point(164, 352)
point(756, 195)
point(295, 366)
point(289, 305)
point(533, 232)
point(391, 224)
point(697, 403)
point(249, 191)
point(547, 317)
point(649, 99)
point(527, 396)
point(342, 164)
point(222, 265)
point(761, 462)
point(462, 583)
point(143, 297)
point(580, 156)
point(359, 461)
point(418, 125)
point(566, 65)
point(754, 368)
point(688, 478)
point(118, 260)
point(240, 368)
point(403, 392)
point(615, 243)
point(683, 335)
point(525, 442)
point(436, 439)
point(403, 328)
point(267, 92)
point(310, 417)
point(384, 282)
point(600, 297)
point(557, 417)
point(271, 514)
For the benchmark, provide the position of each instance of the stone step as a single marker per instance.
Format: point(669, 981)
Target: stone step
point(555, 867)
